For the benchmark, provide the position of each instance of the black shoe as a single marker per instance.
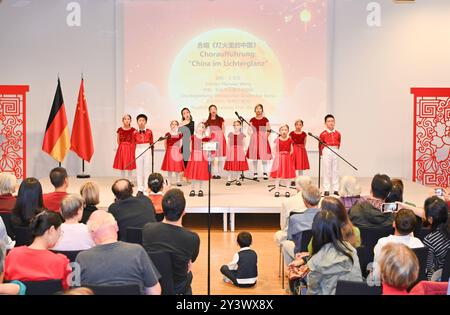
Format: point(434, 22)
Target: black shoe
point(287, 194)
point(179, 185)
point(200, 193)
point(228, 184)
point(326, 194)
point(277, 194)
point(192, 193)
point(266, 177)
point(336, 193)
point(218, 177)
point(214, 177)
point(255, 176)
point(139, 193)
point(238, 183)
point(293, 183)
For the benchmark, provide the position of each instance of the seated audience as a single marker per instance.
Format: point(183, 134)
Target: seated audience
point(301, 222)
point(75, 235)
point(91, 196)
point(59, 180)
point(396, 194)
point(438, 241)
point(430, 288)
point(130, 211)
point(368, 213)
point(13, 287)
point(350, 191)
point(8, 184)
point(112, 262)
point(36, 262)
point(399, 268)
point(332, 257)
point(155, 187)
point(171, 237)
point(292, 205)
point(404, 223)
point(29, 202)
point(242, 271)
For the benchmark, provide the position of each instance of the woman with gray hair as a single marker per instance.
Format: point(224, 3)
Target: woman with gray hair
point(8, 184)
point(350, 191)
point(75, 235)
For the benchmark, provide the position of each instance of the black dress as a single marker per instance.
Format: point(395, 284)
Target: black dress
point(187, 131)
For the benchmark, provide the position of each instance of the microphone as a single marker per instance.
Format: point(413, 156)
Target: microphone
point(238, 116)
point(164, 138)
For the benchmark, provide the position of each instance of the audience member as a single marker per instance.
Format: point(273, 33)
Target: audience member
point(75, 235)
point(91, 196)
point(242, 271)
point(332, 257)
point(155, 186)
point(130, 211)
point(171, 237)
point(59, 180)
point(399, 268)
point(29, 202)
point(112, 262)
point(8, 184)
point(350, 191)
point(438, 241)
point(36, 262)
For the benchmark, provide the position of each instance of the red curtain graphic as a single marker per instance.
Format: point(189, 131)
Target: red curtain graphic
point(13, 130)
point(431, 165)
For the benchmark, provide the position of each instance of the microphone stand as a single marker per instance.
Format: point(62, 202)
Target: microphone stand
point(243, 177)
point(151, 146)
point(320, 156)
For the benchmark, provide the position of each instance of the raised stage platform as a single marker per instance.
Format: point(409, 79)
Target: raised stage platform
point(251, 197)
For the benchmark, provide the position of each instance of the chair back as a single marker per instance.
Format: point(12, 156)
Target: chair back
point(6, 217)
point(163, 262)
point(71, 255)
point(128, 289)
point(46, 287)
point(356, 288)
point(446, 269)
point(302, 240)
point(422, 254)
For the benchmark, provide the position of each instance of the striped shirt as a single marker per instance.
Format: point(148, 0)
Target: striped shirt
point(438, 246)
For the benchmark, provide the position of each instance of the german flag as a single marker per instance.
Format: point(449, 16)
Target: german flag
point(57, 139)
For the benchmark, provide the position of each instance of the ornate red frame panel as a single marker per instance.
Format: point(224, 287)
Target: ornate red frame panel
point(13, 129)
point(431, 153)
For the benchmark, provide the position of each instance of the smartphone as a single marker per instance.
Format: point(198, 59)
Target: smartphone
point(440, 192)
point(389, 207)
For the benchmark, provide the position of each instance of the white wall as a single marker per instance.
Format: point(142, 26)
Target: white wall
point(36, 44)
point(371, 73)
point(373, 70)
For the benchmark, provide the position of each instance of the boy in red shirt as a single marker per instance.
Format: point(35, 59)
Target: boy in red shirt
point(332, 138)
point(143, 137)
point(60, 180)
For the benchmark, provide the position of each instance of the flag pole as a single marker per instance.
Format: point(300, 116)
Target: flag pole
point(83, 175)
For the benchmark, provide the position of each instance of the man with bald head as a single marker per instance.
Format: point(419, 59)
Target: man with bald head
point(112, 262)
point(130, 211)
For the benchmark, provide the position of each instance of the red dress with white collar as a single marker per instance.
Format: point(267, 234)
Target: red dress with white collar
point(283, 165)
point(299, 156)
point(173, 159)
point(236, 160)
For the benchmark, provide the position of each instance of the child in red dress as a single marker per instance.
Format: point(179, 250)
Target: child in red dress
point(283, 165)
point(197, 167)
point(216, 125)
point(143, 138)
point(259, 147)
point(236, 161)
point(124, 159)
point(173, 159)
point(299, 156)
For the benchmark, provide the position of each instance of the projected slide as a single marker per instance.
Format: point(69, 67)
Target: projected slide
point(234, 54)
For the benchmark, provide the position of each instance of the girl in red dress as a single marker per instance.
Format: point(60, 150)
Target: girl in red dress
point(236, 161)
point(197, 167)
point(216, 125)
point(173, 159)
point(125, 151)
point(259, 147)
point(283, 165)
point(299, 156)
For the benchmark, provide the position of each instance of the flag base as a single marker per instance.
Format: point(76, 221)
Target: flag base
point(83, 176)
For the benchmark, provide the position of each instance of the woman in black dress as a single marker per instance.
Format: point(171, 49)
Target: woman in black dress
point(187, 129)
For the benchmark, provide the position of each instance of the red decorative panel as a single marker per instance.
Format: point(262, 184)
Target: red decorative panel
point(13, 129)
point(431, 165)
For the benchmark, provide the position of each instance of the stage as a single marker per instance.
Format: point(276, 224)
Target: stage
point(251, 197)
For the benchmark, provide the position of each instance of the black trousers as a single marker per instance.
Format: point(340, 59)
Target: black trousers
point(231, 274)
